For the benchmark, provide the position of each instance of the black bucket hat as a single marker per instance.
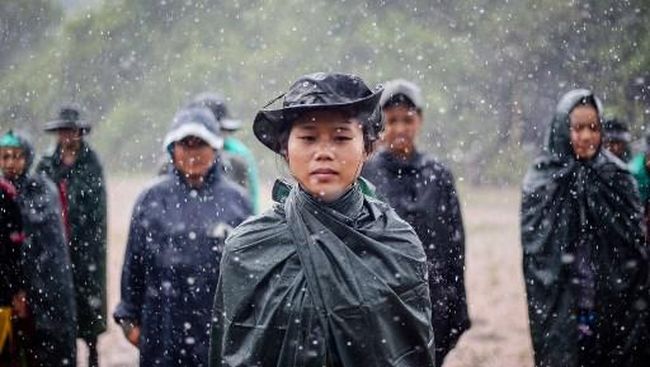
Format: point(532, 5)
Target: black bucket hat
point(319, 91)
point(69, 118)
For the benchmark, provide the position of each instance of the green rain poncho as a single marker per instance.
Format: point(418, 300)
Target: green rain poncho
point(574, 210)
point(314, 284)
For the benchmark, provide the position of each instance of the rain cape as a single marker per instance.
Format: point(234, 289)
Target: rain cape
point(591, 207)
point(315, 284)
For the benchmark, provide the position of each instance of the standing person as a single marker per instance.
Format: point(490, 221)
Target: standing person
point(46, 309)
point(175, 243)
point(329, 276)
point(78, 175)
point(616, 139)
point(585, 263)
point(422, 192)
point(238, 161)
point(11, 278)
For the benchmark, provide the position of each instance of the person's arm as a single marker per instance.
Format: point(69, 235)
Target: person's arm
point(133, 287)
point(455, 257)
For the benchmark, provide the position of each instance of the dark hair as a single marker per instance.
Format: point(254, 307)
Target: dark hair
point(589, 100)
point(400, 100)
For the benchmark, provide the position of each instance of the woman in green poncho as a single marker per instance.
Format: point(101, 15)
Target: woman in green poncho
point(329, 276)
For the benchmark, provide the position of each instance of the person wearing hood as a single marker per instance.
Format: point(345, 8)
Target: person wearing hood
point(616, 138)
point(45, 307)
point(329, 276)
point(175, 241)
point(11, 278)
point(584, 260)
point(78, 175)
point(422, 192)
point(237, 160)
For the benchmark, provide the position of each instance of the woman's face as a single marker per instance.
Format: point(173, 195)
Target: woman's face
point(585, 131)
point(193, 157)
point(326, 152)
point(402, 128)
point(12, 162)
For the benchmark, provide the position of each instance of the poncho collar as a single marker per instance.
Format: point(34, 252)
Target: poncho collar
point(348, 205)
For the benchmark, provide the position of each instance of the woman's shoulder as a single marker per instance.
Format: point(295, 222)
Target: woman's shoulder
point(270, 225)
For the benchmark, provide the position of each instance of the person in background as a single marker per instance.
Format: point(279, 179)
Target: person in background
point(237, 160)
point(78, 175)
point(616, 139)
point(584, 258)
point(176, 238)
point(422, 192)
point(11, 278)
point(640, 168)
point(330, 276)
point(45, 304)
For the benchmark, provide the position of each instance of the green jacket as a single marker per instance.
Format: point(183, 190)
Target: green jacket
point(641, 175)
point(236, 148)
point(86, 229)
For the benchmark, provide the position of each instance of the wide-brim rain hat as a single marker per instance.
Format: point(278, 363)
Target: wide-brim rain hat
point(68, 117)
point(319, 91)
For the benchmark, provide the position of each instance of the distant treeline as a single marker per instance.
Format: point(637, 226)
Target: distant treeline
point(491, 71)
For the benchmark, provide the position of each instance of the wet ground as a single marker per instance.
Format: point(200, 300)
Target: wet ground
point(495, 288)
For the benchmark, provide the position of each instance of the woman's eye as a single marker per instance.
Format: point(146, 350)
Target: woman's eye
point(307, 138)
point(342, 138)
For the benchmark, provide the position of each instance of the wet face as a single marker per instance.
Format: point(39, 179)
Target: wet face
point(193, 157)
point(402, 128)
point(13, 162)
point(325, 153)
point(585, 131)
point(68, 137)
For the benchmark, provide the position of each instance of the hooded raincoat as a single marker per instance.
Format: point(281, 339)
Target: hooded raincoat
point(83, 195)
point(422, 192)
point(583, 247)
point(315, 284)
point(46, 270)
point(171, 265)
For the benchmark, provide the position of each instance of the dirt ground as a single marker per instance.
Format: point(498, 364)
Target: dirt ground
point(499, 335)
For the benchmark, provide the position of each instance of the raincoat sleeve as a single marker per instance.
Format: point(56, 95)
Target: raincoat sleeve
point(133, 271)
point(455, 289)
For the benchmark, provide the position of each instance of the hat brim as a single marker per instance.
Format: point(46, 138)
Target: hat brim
point(269, 124)
point(55, 125)
point(230, 124)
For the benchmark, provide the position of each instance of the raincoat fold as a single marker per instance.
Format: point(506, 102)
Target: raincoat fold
point(583, 247)
point(313, 284)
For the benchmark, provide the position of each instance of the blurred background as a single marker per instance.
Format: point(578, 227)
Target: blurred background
point(490, 71)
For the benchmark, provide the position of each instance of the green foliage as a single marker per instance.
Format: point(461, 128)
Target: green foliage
point(491, 71)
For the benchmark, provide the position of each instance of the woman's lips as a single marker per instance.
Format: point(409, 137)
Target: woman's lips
point(323, 173)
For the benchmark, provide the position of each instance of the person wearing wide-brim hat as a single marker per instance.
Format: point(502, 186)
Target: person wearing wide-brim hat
point(329, 276)
point(236, 158)
point(79, 176)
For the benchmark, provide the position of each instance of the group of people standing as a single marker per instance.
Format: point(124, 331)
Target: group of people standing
point(53, 250)
point(360, 261)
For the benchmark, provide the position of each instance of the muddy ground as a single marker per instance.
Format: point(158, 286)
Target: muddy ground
point(499, 334)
